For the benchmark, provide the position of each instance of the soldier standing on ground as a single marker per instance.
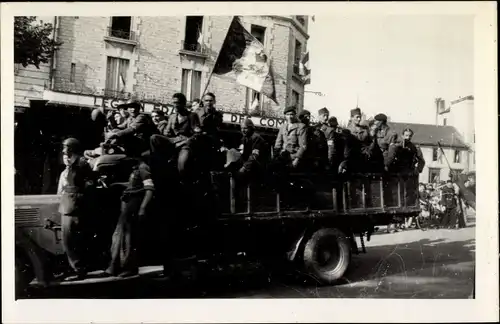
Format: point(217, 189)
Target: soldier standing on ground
point(449, 202)
point(73, 184)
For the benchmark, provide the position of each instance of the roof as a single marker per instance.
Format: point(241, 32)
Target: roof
point(429, 135)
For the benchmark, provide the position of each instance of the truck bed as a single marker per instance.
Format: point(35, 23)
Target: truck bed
point(316, 196)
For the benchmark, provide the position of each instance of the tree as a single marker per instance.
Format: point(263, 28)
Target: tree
point(32, 41)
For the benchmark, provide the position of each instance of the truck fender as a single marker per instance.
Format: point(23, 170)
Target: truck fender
point(35, 255)
point(297, 243)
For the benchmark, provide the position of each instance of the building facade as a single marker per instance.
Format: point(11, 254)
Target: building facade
point(151, 58)
point(460, 114)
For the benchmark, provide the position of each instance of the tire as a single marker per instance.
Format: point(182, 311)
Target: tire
point(336, 245)
point(23, 275)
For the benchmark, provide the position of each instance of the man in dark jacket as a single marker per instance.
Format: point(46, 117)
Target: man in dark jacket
point(210, 121)
point(404, 156)
point(139, 130)
point(158, 118)
point(291, 142)
point(329, 132)
point(385, 135)
point(449, 202)
point(255, 153)
point(73, 185)
point(355, 127)
point(316, 155)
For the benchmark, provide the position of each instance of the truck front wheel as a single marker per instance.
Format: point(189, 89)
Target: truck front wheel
point(327, 254)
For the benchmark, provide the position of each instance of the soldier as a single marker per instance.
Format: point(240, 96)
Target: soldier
point(182, 126)
point(139, 130)
point(404, 156)
point(355, 127)
point(385, 135)
point(73, 184)
point(323, 125)
point(342, 148)
point(136, 200)
point(210, 121)
point(255, 153)
point(291, 142)
point(316, 155)
point(158, 117)
point(449, 202)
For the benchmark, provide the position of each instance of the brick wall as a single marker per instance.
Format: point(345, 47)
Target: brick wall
point(156, 61)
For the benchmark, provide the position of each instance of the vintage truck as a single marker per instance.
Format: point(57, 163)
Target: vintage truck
point(311, 220)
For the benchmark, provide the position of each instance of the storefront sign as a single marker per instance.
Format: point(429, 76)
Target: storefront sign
point(112, 103)
point(258, 121)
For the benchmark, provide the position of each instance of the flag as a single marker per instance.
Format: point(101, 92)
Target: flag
point(304, 69)
point(242, 59)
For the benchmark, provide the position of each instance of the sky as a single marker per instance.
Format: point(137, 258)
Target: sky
point(395, 64)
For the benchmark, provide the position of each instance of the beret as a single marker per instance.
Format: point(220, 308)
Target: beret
point(356, 111)
point(290, 109)
point(323, 111)
point(381, 117)
point(304, 113)
point(333, 121)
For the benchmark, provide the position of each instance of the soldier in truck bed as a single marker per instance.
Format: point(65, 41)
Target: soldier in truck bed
point(291, 142)
point(316, 155)
point(385, 135)
point(404, 156)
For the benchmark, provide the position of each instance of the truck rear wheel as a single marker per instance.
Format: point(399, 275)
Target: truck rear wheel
point(327, 255)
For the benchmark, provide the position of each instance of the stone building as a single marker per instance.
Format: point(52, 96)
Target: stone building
point(104, 60)
point(154, 57)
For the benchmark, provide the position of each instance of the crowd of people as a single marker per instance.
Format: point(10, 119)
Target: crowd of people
point(188, 139)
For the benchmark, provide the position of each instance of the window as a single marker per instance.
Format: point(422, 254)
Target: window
point(192, 39)
point(72, 73)
point(259, 32)
point(444, 121)
point(301, 19)
point(434, 175)
point(116, 76)
point(295, 98)
point(298, 54)
point(191, 84)
point(457, 157)
point(435, 154)
point(120, 27)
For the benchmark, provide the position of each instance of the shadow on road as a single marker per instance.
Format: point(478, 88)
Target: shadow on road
point(419, 269)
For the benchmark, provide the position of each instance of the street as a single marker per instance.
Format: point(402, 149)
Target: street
point(408, 264)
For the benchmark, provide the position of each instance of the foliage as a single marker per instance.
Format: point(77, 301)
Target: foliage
point(32, 41)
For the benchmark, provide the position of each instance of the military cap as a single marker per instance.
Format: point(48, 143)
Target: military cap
point(355, 112)
point(332, 121)
point(290, 109)
point(323, 111)
point(381, 117)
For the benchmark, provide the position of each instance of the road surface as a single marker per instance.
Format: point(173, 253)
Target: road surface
point(408, 264)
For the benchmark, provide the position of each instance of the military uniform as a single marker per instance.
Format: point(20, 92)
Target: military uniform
point(360, 132)
point(405, 158)
point(72, 188)
point(385, 137)
point(124, 242)
point(291, 142)
point(209, 142)
point(448, 200)
point(255, 153)
point(137, 135)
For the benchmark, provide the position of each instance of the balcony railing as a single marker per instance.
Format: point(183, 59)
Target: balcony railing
point(122, 34)
point(193, 47)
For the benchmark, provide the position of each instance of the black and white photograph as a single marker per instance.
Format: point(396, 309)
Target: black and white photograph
point(198, 152)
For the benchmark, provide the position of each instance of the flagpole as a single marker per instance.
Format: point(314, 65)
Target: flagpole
point(216, 59)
